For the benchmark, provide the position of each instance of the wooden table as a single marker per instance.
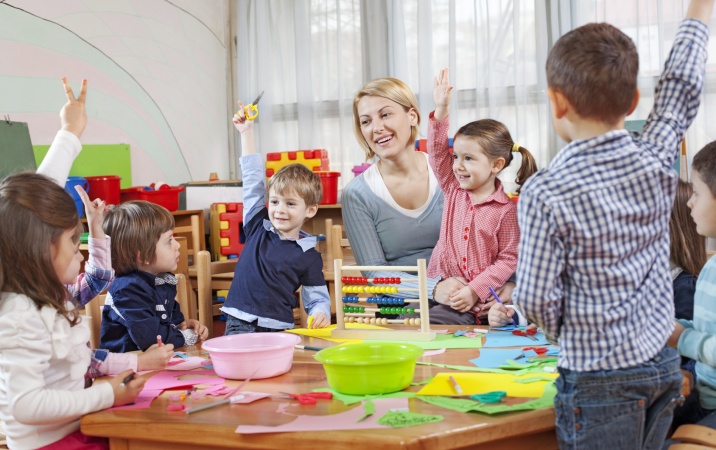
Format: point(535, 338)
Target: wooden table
point(155, 428)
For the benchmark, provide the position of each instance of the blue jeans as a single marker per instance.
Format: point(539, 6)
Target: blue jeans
point(618, 409)
point(238, 326)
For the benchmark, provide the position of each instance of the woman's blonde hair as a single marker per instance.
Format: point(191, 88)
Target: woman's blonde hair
point(35, 213)
point(392, 89)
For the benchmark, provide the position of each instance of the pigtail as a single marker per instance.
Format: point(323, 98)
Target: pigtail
point(527, 168)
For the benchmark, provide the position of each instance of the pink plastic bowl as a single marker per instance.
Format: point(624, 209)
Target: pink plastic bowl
point(254, 355)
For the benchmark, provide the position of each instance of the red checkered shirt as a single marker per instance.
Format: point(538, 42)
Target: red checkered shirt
point(477, 241)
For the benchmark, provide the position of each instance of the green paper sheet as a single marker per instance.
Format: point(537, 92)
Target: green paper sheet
point(352, 399)
point(465, 405)
point(400, 419)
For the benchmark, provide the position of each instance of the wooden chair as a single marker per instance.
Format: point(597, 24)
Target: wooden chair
point(691, 437)
point(207, 282)
point(93, 309)
point(340, 247)
point(194, 236)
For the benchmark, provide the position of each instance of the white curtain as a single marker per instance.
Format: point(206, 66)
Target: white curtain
point(311, 56)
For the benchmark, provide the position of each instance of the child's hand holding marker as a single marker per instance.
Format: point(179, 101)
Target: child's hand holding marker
point(126, 386)
point(155, 357)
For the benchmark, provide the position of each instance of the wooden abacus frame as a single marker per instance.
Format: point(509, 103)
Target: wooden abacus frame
point(423, 334)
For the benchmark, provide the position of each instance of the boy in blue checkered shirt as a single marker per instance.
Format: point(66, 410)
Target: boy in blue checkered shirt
point(593, 269)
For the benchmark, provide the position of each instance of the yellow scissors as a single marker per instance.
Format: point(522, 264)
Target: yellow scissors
point(253, 107)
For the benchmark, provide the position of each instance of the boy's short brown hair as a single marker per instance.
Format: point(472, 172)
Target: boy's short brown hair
point(135, 228)
point(705, 164)
point(595, 66)
point(299, 178)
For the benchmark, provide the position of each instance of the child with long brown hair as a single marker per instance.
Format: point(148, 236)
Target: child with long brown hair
point(479, 233)
point(687, 253)
point(44, 356)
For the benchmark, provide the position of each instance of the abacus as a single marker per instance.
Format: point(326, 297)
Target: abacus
point(354, 308)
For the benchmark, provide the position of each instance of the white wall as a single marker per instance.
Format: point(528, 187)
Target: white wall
point(156, 70)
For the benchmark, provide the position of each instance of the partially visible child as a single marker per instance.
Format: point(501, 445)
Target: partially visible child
point(44, 356)
point(593, 269)
point(687, 250)
point(141, 306)
point(98, 272)
point(479, 233)
point(277, 257)
point(696, 339)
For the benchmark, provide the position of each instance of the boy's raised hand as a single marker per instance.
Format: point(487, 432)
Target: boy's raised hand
point(240, 121)
point(442, 92)
point(73, 115)
point(94, 211)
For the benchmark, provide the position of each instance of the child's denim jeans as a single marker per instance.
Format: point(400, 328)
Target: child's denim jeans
point(626, 409)
point(238, 326)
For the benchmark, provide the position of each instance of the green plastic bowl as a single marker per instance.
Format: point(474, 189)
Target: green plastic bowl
point(369, 368)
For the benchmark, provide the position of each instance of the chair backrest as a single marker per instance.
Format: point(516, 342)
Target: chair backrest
point(194, 236)
point(93, 311)
point(340, 247)
point(206, 270)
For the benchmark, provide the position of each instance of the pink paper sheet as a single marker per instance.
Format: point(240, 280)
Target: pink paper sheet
point(342, 421)
point(170, 380)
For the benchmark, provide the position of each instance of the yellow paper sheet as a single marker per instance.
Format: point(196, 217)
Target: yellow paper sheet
point(325, 333)
point(479, 383)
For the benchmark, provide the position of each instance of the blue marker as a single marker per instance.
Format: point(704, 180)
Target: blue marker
point(494, 294)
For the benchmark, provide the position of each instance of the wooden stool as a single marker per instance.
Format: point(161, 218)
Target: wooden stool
point(692, 437)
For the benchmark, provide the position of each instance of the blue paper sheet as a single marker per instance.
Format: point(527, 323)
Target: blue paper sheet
point(493, 358)
point(507, 339)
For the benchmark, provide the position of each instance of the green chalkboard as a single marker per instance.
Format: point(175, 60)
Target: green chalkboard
point(98, 159)
point(15, 148)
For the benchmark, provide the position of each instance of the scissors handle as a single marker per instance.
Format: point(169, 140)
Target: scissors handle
point(251, 108)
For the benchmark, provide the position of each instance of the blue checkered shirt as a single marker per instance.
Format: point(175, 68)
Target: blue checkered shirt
point(593, 269)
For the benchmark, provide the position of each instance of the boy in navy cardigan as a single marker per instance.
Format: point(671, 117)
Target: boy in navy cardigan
point(277, 256)
point(141, 306)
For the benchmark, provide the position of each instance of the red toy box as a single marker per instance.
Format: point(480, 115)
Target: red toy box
point(167, 197)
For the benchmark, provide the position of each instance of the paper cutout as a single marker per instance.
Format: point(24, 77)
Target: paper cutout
point(444, 341)
point(490, 358)
point(465, 405)
point(144, 399)
point(479, 383)
point(400, 419)
point(343, 421)
point(185, 363)
point(433, 352)
point(352, 399)
point(369, 410)
point(325, 333)
point(507, 339)
point(248, 397)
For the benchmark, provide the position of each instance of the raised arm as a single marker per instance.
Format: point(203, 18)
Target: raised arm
point(701, 10)
point(66, 145)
